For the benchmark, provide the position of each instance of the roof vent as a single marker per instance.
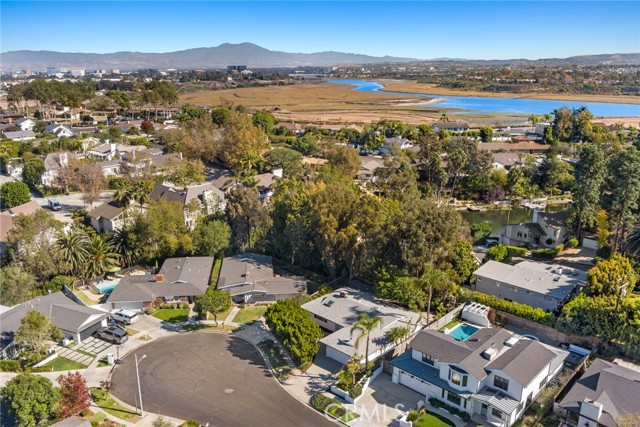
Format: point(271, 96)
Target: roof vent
point(489, 353)
point(343, 294)
point(159, 277)
point(511, 341)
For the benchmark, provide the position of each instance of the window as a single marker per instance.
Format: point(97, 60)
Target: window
point(501, 383)
point(454, 398)
point(496, 413)
point(430, 360)
point(320, 318)
point(458, 378)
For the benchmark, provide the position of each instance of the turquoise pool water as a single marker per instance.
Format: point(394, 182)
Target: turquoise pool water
point(463, 332)
point(107, 285)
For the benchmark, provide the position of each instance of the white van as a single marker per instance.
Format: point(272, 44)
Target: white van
point(125, 316)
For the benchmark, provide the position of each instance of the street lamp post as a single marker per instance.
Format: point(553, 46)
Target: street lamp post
point(138, 377)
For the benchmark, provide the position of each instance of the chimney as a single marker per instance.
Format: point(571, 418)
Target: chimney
point(159, 277)
point(534, 218)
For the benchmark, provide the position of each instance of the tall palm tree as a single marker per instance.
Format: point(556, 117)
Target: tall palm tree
point(74, 248)
point(126, 247)
point(633, 241)
point(123, 195)
point(140, 191)
point(102, 257)
point(397, 334)
point(432, 279)
point(363, 327)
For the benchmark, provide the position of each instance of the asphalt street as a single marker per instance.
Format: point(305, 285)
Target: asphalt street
point(211, 378)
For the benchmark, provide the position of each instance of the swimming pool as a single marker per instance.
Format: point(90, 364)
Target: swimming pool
point(462, 332)
point(107, 286)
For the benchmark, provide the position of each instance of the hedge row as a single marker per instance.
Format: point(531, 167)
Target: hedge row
point(537, 315)
point(9, 366)
point(547, 253)
point(516, 251)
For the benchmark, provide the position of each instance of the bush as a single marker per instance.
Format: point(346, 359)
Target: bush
point(184, 305)
point(452, 410)
point(572, 243)
point(547, 253)
point(413, 415)
point(320, 401)
point(516, 251)
point(151, 311)
point(40, 369)
point(355, 391)
point(9, 366)
point(190, 423)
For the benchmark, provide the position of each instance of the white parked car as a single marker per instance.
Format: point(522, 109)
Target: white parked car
point(125, 316)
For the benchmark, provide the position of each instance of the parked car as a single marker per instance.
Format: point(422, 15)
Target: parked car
point(126, 317)
point(113, 334)
point(491, 242)
point(54, 205)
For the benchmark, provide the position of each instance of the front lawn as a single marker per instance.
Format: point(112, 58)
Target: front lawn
point(343, 414)
point(63, 364)
point(84, 298)
point(112, 407)
point(432, 420)
point(172, 315)
point(276, 358)
point(248, 315)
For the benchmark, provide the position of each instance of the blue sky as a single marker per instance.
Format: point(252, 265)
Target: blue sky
point(416, 29)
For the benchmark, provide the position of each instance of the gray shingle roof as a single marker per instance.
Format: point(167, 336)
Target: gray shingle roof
point(183, 277)
point(524, 361)
point(18, 134)
point(64, 313)
point(545, 279)
point(615, 387)
point(109, 210)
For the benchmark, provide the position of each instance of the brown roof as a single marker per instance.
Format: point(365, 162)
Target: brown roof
point(6, 217)
point(109, 210)
point(520, 146)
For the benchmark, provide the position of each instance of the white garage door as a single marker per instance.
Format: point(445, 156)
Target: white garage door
point(414, 383)
point(135, 306)
point(337, 355)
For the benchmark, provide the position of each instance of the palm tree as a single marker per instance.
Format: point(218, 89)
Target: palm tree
point(140, 192)
point(397, 334)
point(124, 245)
point(633, 241)
point(444, 117)
point(123, 195)
point(364, 326)
point(102, 257)
point(74, 248)
point(431, 280)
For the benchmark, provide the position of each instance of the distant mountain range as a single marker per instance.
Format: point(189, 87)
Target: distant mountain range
point(255, 56)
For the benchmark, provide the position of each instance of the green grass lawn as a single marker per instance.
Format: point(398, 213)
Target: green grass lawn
point(342, 413)
point(96, 418)
point(432, 420)
point(247, 315)
point(175, 315)
point(111, 407)
point(85, 299)
point(222, 316)
point(451, 324)
point(63, 364)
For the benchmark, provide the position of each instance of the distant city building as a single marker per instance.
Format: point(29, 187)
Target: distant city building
point(236, 68)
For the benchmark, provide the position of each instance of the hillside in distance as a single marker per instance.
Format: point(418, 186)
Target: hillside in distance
point(205, 57)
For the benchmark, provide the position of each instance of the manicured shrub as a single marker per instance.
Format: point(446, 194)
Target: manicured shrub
point(151, 311)
point(572, 243)
point(320, 401)
point(9, 366)
point(516, 251)
point(355, 391)
point(537, 315)
point(413, 415)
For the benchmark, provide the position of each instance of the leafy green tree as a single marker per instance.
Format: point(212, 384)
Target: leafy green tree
point(363, 327)
point(555, 175)
point(290, 161)
point(184, 172)
point(126, 244)
point(486, 134)
point(16, 285)
point(211, 238)
point(31, 399)
point(214, 301)
point(247, 217)
point(624, 184)
point(609, 276)
point(242, 143)
point(480, 231)
point(221, 115)
point(345, 159)
point(265, 120)
point(463, 261)
point(35, 328)
point(32, 172)
point(74, 395)
point(297, 331)
point(590, 174)
point(633, 242)
point(498, 253)
point(14, 194)
point(562, 125)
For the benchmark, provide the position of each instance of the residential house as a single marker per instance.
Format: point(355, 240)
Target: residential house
point(368, 166)
point(533, 283)
point(6, 222)
point(197, 200)
point(505, 161)
point(25, 123)
point(76, 321)
point(520, 147)
point(20, 135)
point(603, 394)
point(314, 163)
point(179, 279)
point(249, 278)
point(265, 182)
point(398, 142)
point(338, 311)
point(108, 217)
point(53, 164)
point(105, 151)
point(540, 128)
point(545, 228)
point(489, 373)
point(450, 126)
point(58, 130)
point(110, 167)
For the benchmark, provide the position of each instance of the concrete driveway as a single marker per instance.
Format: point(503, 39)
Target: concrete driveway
point(212, 378)
point(70, 202)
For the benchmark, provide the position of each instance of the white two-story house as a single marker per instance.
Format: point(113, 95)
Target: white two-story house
point(489, 373)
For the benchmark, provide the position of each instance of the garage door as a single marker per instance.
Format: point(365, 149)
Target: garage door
point(90, 330)
point(414, 383)
point(337, 355)
point(135, 306)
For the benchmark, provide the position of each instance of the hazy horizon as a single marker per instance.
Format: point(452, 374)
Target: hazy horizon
point(421, 30)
